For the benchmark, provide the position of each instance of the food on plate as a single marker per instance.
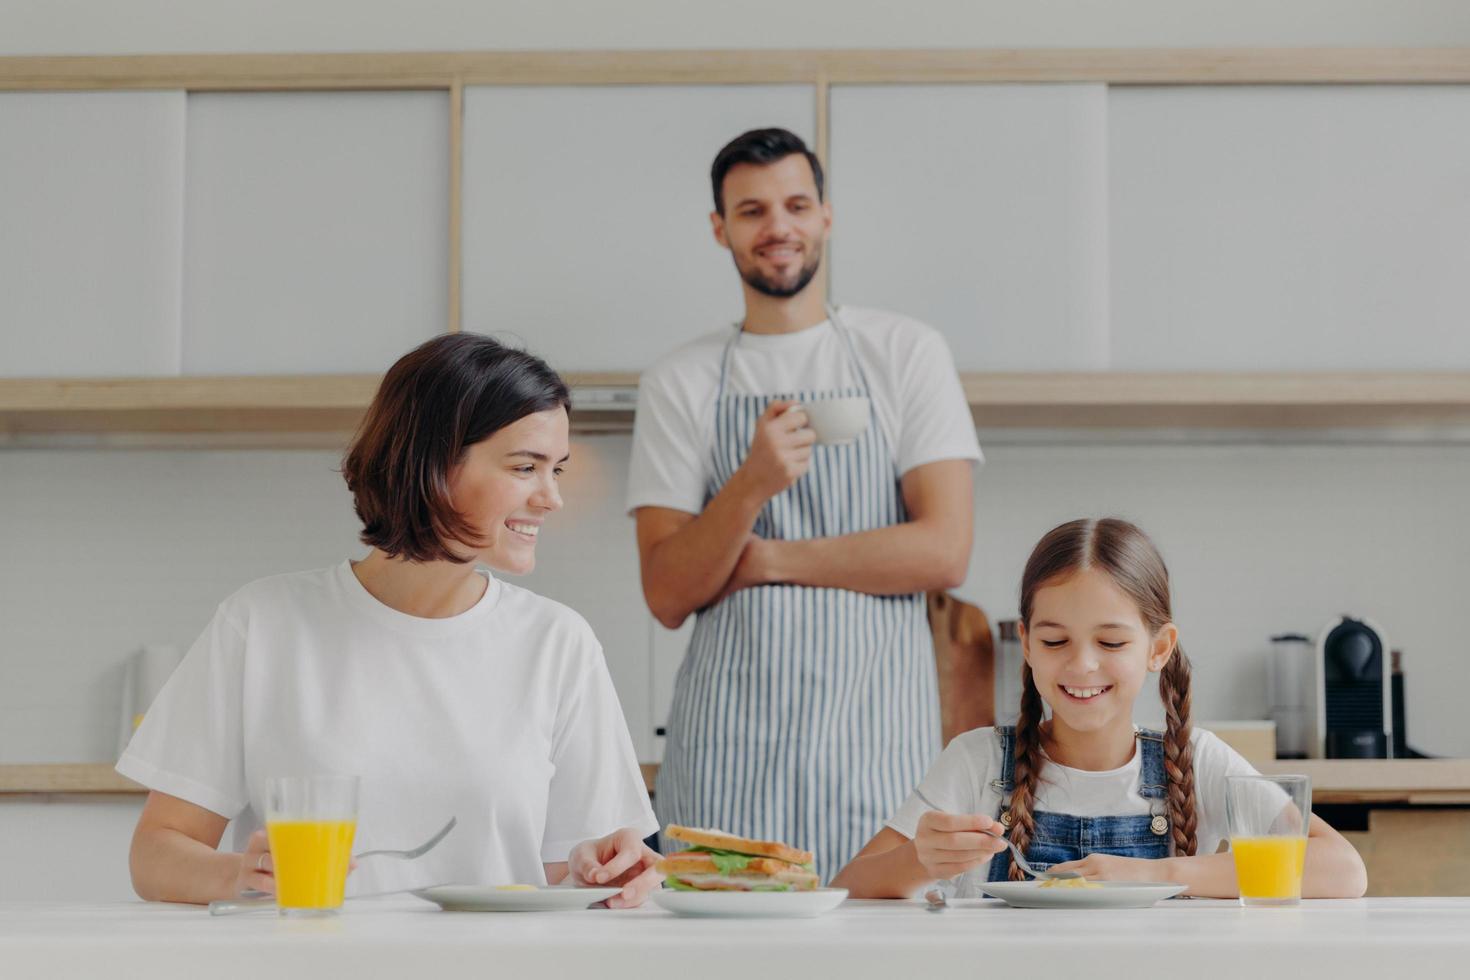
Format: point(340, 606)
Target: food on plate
point(1068, 883)
point(717, 861)
point(516, 888)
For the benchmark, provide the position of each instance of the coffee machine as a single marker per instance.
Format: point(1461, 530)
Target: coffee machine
point(1354, 691)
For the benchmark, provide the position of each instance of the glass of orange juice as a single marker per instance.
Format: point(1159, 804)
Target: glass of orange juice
point(1268, 817)
point(311, 821)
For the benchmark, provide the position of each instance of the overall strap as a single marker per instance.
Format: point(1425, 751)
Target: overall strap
point(1153, 781)
point(1006, 784)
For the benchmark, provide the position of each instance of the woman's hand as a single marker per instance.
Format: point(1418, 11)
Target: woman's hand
point(949, 844)
point(621, 860)
point(257, 873)
point(1110, 867)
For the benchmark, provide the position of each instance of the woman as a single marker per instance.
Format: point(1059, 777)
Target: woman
point(448, 691)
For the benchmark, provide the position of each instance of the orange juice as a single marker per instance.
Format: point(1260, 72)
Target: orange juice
point(310, 859)
point(1269, 867)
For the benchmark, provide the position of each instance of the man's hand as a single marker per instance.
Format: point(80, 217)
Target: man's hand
point(619, 860)
point(781, 451)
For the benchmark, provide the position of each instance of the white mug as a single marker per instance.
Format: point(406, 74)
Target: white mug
point(837, 421)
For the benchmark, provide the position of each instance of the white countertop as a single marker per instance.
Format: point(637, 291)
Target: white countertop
point(405, 938)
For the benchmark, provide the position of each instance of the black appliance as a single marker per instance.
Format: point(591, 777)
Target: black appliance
point(1354, 697)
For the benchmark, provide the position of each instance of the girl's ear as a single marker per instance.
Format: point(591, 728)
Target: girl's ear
point(1164, 643)
point(1025, 641)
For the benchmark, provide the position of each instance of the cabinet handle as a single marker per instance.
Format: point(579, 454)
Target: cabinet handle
point(660, 731)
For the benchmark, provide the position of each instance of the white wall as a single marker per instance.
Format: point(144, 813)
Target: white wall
point(107, 550)
point(159, 26)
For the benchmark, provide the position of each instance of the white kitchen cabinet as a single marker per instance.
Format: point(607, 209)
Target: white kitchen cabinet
point(1281, 228)
point(980, 209)
point(90, 232)
point(586, 230)
point(317, 230)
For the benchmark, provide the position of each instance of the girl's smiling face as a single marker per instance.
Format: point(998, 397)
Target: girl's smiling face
point(1089, 650)
point(507, 485)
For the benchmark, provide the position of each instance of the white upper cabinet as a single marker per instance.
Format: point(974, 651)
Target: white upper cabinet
point(317, 230)
point(586, 229)
point(980, 209)
point(1276, 228)
point(90, 229)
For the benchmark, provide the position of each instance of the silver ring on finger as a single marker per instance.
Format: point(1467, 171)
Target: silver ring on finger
point(260, 862)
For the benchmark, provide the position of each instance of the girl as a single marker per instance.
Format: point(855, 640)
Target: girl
point(1086, 790)
point(448, 691)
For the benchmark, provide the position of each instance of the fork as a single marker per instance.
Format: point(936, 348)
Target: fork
point(257, 900)
point(935, 897)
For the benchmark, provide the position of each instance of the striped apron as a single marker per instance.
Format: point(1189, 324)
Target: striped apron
point(804, 714)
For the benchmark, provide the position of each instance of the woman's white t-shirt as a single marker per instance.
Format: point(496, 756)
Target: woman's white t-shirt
point(917, 396)
point(959, 782)
point(503, 716)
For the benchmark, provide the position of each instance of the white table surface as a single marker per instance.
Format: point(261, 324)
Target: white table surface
point(403, 937)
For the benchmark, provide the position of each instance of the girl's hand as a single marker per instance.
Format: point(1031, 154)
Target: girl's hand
point(949, 844)
point(257, 873)
point(1109, 867)
point(620, 860)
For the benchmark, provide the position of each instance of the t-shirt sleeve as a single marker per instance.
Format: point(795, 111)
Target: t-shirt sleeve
point(952, 784)
point(936, 422)
point(597, 786)
point(668, 466)
point(191, 743)
point(1214, 763)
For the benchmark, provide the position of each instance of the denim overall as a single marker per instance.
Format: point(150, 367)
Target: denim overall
point(1062, 837)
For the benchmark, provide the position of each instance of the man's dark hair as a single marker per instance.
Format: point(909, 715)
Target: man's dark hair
point(438, 400)
point(760, 147)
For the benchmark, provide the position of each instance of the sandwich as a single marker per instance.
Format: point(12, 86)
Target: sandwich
point(717, 861)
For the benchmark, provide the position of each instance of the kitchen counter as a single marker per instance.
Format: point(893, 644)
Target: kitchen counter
point(403, 937)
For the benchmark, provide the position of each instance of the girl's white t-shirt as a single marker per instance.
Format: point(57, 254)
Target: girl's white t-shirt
point(917, 396)
point(959, 782)
point(503, 716)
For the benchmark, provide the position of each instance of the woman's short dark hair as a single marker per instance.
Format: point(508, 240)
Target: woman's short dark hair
point(438, 400)
point(761, 147)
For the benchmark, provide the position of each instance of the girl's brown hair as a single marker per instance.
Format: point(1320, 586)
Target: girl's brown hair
point(1129, 558)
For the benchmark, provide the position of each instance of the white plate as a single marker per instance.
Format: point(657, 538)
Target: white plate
point(751, 905)
point(488, 898)
point(1108, 894)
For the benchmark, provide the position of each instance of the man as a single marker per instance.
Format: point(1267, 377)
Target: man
point(805, 709)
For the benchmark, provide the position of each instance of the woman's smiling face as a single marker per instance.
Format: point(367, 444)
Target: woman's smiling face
point(507, 485)
point(1090, 650)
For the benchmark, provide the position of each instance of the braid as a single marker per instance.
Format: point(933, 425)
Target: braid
point(1027, 769)
point(1178, 754)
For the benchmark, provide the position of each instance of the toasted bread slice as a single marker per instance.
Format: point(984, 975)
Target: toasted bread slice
point(718, 839)
point(699, 870)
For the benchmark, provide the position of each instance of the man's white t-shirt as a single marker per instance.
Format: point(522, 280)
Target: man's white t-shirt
point(959, 782)
point(503, 716)
point(917, 397)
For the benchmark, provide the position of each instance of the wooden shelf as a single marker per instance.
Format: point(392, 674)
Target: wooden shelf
point(1218, 400)
point(100, 777)
point(296, 405)
point(74, 777)
point(1419, 781)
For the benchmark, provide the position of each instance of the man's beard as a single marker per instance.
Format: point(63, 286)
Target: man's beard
point(781, 289)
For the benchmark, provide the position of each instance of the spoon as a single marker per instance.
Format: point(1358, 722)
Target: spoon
point(259, 900)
